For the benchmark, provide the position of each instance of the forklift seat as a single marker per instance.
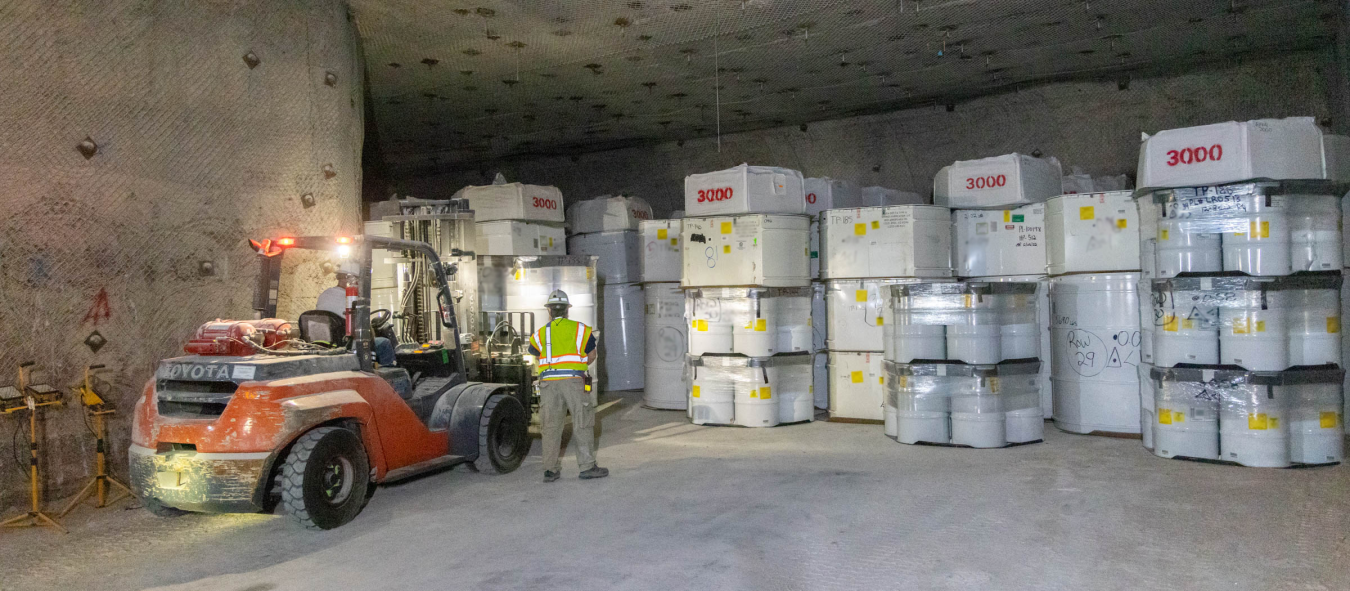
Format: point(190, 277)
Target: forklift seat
point(322, 326)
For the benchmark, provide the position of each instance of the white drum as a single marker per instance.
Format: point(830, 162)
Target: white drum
point(1041, 326)
point(1185, 322)
point(1316, 425)
point(1314, 321)
point(1094, 352)
point(1147, 404)
point(622, 337)
point(1315, 233)
point(712, 401)
point(756, 405)
point(1253, 333)
point(1179, 251)
point(1187, 414)
point(1259, 243)
point(1254, 424)
point(665, 347)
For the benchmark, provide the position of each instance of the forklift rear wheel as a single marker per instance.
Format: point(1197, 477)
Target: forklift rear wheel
point(503, 435)
point(159, 509)
point(325, 478)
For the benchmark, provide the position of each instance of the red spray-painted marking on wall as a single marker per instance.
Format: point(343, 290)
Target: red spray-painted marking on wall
point(100, 311)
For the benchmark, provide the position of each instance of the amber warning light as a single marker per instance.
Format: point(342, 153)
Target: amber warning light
point(268, 248)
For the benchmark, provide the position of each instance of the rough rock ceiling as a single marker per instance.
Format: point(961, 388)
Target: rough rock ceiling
point(459, 82)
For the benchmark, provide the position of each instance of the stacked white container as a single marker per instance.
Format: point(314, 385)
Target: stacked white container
point(1246, 301)
point(667, 331)
point(864, 251)
point(999, 231)
point(1093, 260)
point(954, 329)
point(1008, 246)
point(516, 219)
point(745, 271)
point(607, 228)
point(822, 195)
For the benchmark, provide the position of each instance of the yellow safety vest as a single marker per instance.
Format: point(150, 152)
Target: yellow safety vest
point(562, 348)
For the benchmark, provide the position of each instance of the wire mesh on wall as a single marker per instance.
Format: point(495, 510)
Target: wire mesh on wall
point(474, 81)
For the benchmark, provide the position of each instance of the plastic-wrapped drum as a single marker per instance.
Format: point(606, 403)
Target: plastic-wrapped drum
point(665, 347)
point(748, 391)
point(522, 284)
point(756, 322)
point(979, 406)
point(1019, 334)
point(1094, 350)
point(1187, 414)
point(618, 253)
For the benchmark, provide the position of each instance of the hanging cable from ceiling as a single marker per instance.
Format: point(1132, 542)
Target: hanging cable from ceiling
point(717, 71)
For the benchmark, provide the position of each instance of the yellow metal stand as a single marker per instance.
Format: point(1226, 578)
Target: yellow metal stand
point(98, 485)
point(34, 397)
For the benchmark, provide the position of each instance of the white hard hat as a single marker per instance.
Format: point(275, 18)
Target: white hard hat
point(557, 298)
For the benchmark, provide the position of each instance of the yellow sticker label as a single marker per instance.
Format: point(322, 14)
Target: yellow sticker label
point(993, 385)
point(1120, 223)
point(1164, 416)
point(1240, 326)
point(550, 242)
point(860, 229)
point(520, 274)
point(589, 273)
point(674, 241)
point(1258, 422)
point(1260, 326)
point(1333, 324)
point(1162, 234)
point(726, 249)
point(765, 393)
point(695, 391)
point(1327, 419)
point(968, 300)
point(1087, 213)
point(876, 224)
point(1179, 417)
point(904, 382)
point(860, 295)
point(701, 325)
point(856, 377)
point(1007, 215)
point(1170, 323)
point(1188, 323)
point(761, 325)
point(661, 233)
point(881, 380)
point(881, 321)
point(726, 227)
point(1261, 230)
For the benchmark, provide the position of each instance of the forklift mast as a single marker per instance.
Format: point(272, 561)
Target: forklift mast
point(267, 289)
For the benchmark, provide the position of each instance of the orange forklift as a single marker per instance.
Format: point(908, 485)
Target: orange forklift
point(267, 412)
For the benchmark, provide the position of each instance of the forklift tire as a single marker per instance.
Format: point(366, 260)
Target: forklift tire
point(503, 435)
point(159, 509)
point(325, 479)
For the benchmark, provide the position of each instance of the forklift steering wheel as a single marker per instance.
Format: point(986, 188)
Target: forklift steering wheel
point(379, 318)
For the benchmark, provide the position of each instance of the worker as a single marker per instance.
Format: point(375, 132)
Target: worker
point(564, 348)
point(334, 299)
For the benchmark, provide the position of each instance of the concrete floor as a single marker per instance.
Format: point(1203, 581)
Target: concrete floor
point(818, 506)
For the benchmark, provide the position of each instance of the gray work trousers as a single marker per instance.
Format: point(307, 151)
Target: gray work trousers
point(556, 397)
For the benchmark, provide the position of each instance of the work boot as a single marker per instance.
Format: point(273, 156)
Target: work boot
point(595, 472)
point(550, 476)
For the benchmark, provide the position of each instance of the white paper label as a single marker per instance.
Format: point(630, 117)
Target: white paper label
point(243, 372)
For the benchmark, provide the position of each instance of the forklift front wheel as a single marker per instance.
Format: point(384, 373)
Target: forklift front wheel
point(325, 478)
point(503, 435)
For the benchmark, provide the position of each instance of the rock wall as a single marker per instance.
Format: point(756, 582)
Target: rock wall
point(144, 142)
